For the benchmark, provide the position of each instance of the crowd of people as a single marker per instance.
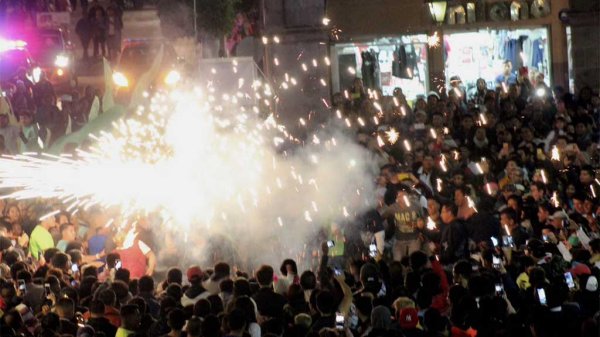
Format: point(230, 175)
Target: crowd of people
point(485, 224)
point(33, 116)
point(102, 27)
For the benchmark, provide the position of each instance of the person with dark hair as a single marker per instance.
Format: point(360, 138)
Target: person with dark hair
point(509, 219)
point(325, 306)
point(146, 291)
point(130, 320)
point(67, 232)
point(109, 299)
point(98, 321)
point(453, 241)
point(176, 322)
point(221, 272)
point(34, 294)
point(268, 302)
point(289, 272)
point(403, 214)
point(194, 327)
point(65, 309)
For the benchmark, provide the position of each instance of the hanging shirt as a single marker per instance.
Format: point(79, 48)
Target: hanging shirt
point(537, 54)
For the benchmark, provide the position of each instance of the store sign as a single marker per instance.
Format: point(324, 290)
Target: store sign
point(517, 10)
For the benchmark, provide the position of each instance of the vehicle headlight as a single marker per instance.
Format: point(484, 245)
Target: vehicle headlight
point(172, 78)
point(61, 61)
point(36, 73)
point(120, 80)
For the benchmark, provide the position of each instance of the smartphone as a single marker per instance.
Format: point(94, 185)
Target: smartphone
point(339, 321)
point(569, 279)
point(73, 283)
point(74, 268)
point(330, 243)
point(47, 289)
point(22, 287)
point(372, 250)
point(499, 289)
point(545, 238)
point(496, 262)
point(542, 296)
point(494, 241)
point(118, 264)
point(337, 271)
point(507, 241)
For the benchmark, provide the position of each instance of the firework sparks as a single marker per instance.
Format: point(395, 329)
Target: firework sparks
point(392, 136)
point(555, 153)
point(148, 163)
point(433, 40)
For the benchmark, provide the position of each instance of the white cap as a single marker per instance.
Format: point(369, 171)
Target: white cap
point(591, 284)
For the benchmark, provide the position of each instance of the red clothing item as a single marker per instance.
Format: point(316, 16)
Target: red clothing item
point(440, 301)
point(456, 332)
point(110, 313)
point(134, 260)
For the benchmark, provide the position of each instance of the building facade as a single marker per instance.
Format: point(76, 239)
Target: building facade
point(474, 41)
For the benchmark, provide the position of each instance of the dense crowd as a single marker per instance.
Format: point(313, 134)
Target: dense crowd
point(485, 225)
point(33, 116)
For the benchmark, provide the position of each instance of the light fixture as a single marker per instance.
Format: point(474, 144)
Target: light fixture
point(437, 9)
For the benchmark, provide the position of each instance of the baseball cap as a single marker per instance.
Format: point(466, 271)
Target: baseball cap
point(591, 284)
point(194, 271)
point(559, 215)
point(433, 93)
point(408, 318)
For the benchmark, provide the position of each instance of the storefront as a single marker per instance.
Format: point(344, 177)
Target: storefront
point(482, 54)
point(384, 63)
point(476, 36)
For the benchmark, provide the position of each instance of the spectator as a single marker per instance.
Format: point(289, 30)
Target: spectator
point(41, 239)
point(130, 321)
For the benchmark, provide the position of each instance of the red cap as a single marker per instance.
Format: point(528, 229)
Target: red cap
point(408, 318)
point(194, 271)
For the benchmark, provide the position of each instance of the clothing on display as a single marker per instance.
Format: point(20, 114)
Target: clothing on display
point(481, 54)
point(370, 69)
point(405, 61)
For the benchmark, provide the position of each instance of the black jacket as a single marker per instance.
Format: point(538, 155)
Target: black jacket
point(269, 303)
point(453, 242)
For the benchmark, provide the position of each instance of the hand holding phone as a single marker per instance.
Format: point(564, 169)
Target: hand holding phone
point(569, 280)
point(22, 287)
point(118, 264)
point(330, 243)
point(496, 262)
point(499, 289)
point(542, 296)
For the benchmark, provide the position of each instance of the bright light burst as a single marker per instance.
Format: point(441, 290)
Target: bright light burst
point(192, 161)
point(433, 40)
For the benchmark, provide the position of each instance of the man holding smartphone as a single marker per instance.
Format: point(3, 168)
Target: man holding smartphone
point(33, 294)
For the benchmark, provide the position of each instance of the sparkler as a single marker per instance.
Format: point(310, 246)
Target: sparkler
point(430, 224)
point(392, 135)
point(433, 40)
point(555, 153)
